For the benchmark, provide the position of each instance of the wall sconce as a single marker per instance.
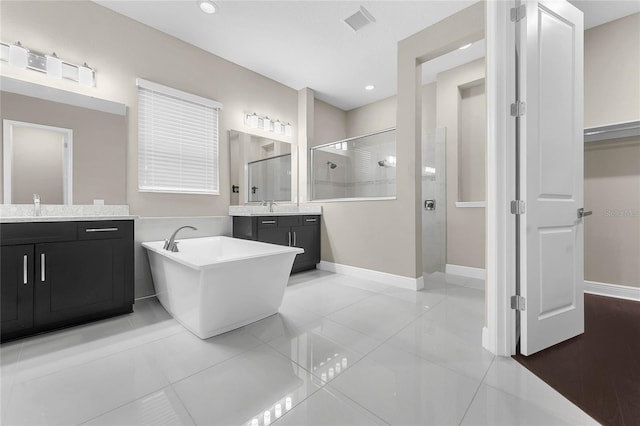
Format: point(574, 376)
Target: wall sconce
point(18, 56)
point(268, 125)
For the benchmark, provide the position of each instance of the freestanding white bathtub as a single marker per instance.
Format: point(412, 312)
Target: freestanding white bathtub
point(217, 284)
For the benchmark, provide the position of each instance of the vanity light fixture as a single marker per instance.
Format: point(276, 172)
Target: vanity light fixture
point(54, 66)
point(255, 121)
point(207, 6)
point(18, 56)
point(266, 124)
point(369, 87)
point(466, 46)
point(21, 57)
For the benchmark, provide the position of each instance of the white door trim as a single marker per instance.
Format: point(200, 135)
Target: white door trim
point(498, 336)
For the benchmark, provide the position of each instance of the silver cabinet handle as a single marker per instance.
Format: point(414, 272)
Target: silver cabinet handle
point(294, 238)
point(310, 220)
point(24, 269)
point(42, 268)
point(289, 238)
point(100, 229)
point(268, 222)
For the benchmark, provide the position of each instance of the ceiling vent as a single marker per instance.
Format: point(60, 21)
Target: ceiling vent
point(360, 19)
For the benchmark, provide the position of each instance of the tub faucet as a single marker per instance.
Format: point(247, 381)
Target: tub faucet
point(36, 205)
point(171, 244)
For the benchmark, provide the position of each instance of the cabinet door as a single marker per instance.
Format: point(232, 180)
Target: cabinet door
point(308, 238)
point(78, 280)
point(278, 236)
point(16, 289)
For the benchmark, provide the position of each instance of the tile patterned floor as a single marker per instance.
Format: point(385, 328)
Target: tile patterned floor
point(343, 351)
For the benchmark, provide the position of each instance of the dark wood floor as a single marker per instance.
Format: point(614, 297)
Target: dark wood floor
point(599, 371)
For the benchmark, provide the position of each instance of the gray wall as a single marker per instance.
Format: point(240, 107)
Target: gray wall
point(612, 169)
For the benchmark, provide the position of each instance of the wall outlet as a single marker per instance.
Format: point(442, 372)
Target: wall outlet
point(98, 202)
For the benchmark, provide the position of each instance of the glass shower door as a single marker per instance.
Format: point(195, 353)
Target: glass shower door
point(434, 202)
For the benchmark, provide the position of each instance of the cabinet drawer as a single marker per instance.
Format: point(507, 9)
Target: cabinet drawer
point(285, 221)
point(103, 229)
point(267, 222)
point(37, 232)
point(311, 220)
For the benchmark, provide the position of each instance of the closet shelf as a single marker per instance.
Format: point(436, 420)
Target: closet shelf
point(612, 131)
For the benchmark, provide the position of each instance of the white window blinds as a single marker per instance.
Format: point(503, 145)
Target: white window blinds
point(177, 141)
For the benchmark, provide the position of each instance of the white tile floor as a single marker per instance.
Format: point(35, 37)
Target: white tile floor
point(343, 351)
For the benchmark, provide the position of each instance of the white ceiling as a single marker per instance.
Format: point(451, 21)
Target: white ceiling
point(307, 44)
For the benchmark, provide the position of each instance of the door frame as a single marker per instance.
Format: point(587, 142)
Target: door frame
point(499, 333)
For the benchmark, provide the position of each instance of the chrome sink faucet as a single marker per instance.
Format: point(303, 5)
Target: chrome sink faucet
point(270, 203)
point(36, 205)
point(171, 244)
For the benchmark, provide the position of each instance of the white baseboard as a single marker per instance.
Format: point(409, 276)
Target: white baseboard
point(612, 290)
point(466, 271)
point(369, 274)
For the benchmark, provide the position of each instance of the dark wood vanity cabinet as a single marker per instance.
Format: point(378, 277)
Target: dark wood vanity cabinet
point(293, 230)
point(56, 274)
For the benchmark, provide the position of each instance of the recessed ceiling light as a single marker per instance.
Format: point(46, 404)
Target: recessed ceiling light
point(466, 46)
point(369, 87)
point(207, 6)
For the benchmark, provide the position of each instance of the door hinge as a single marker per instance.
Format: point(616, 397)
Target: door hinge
point(517, 207)
point(518, 303)
point(518, 109)
point(517, 13)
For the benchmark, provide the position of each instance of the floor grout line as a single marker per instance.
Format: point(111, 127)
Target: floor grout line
point(477, 390)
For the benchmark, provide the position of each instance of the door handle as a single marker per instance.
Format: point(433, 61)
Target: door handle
point(24, 269)
point(582, 213)
point(42, 268)
point(289, 238)
point(294, 239)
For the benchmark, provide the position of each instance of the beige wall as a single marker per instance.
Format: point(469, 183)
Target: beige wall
point(612, 72)
point(612, 192)
point(465, 226)
point(472, 143)
point(373, 117)
point(612, 168)
point(121, 49)
point(330, 123)
point(99, 144)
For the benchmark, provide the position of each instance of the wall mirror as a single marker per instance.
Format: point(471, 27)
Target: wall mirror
point(261, 169)
point(37, 160)
point(66, 147)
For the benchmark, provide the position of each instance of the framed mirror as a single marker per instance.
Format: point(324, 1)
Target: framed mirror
point(37, 160)
point(261, 169)
point(66, 147)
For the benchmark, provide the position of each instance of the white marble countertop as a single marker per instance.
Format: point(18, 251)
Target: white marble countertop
point(19, 219)
point(15, 213)
point(278, 210)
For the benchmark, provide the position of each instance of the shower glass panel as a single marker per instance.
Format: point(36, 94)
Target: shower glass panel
point(434, 201)
point(360, 167)
point(270, 179)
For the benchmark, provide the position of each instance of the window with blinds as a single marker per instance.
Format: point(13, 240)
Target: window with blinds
point(177, 141)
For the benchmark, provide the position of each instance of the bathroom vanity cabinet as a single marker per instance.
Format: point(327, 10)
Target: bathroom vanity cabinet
point(290, 230)
point(56, 274)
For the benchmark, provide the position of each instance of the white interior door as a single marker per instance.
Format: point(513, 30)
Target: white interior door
point(551, 174)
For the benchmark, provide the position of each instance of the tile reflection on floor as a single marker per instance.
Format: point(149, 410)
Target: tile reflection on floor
point(342, 350)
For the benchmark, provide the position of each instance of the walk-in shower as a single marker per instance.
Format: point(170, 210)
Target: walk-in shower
point(434, 201)
point(355, 168)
